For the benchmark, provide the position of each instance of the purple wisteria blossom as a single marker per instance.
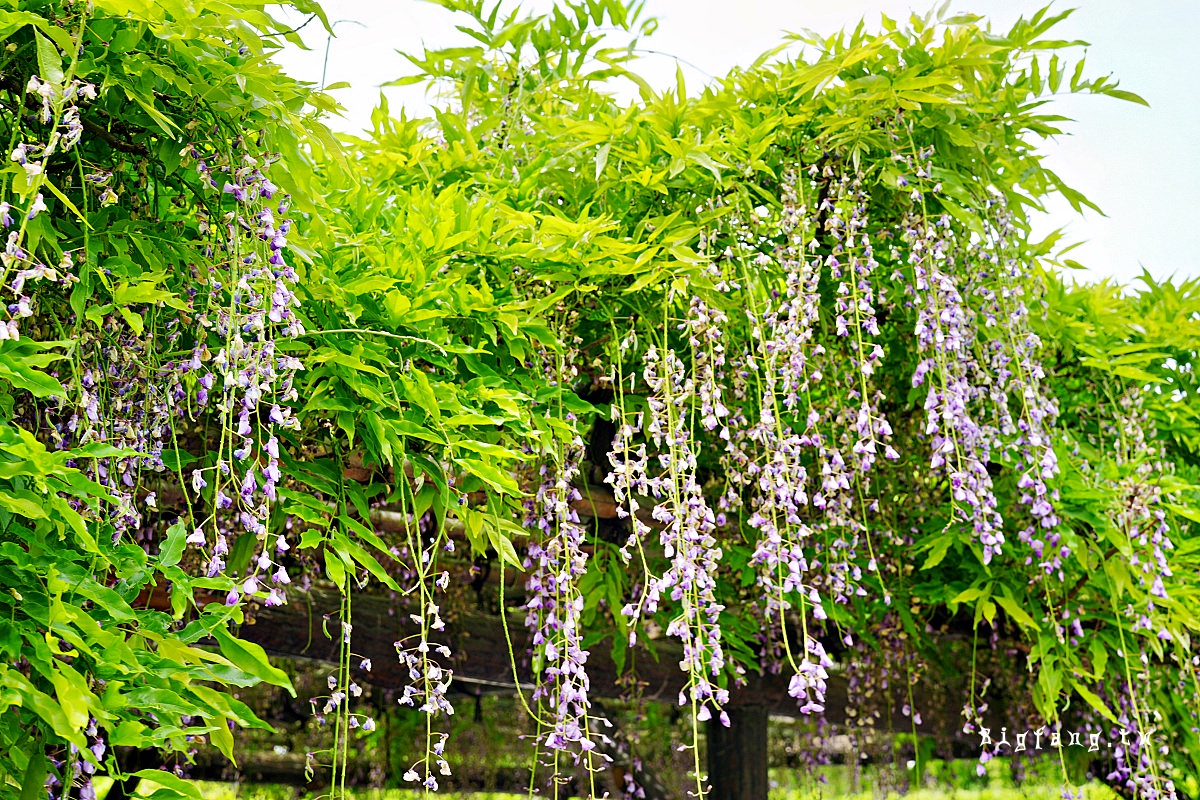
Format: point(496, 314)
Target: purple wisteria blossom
point(555, 562)
point(960, 444)
point(237, 367)
point(1018, 370)
point(687, 525)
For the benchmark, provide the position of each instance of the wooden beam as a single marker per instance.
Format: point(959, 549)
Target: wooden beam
point(480, 649)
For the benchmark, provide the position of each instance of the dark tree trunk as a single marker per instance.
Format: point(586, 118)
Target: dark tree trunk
point(737, 755)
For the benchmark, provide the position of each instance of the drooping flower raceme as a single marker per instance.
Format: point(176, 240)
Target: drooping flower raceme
point(556, 561)
point(686, 534)
point(960, 444)
point(249, 380)
point(1017, 349)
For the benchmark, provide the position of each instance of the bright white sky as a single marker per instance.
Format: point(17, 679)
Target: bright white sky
point(1140, 165)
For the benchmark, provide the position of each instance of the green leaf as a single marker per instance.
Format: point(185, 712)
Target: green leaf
point(66, 201)
point(1050, 681)
point(473, 526)
point(498, 479)
point(34, 782)
point(26, 505)
point(71, 694)
point(1121, 94)
point(252, 659)
point(419, 390)
point(503, 546)
point(222, 738)
point(13, 21)
point(970, 595)
point(360, 555)
point(1016, 613)
point(602, 159)
point(38, 384)
point(1093, 701)
point(171, 550)
point(165, 123)
point(242, 551)
point(44, 706)
point(145, 291)
point(1185, 511)
point(49, 60)
point(170, 780)
point(335, 567)
point(937, 551)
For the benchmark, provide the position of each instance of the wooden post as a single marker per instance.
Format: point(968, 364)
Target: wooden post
point(737, 755)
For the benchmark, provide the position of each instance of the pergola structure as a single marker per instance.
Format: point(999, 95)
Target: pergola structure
point(482, 662)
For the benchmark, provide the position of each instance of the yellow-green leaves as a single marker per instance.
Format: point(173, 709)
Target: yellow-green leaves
point(251, 659)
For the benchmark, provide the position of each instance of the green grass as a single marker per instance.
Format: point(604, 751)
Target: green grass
point(225, 791)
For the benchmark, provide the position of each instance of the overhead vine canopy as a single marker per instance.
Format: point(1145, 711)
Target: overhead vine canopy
point(796, 324)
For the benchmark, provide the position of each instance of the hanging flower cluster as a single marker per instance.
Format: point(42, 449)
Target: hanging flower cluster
point(775, 456)
point(555, 561)
point(22, 271)
point(945, 330)
point(863, 433)
point(249, 381)
point(426, 691)
point(125, 402)
point(628, 477)
point(1137, 755)
point(78, 769)
point(1016, 369)
point(688, 525)
point(421, 654)
point(1141, 514)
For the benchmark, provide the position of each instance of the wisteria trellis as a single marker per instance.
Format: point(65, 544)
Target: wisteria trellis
point(851, 431)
